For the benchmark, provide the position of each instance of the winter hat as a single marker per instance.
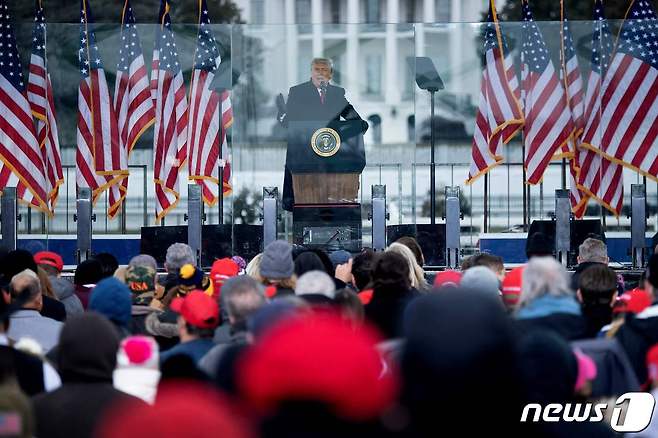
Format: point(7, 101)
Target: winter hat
point(242, 263)
point(316, 287)
point(138, 351)
point(222, 270)
point(17, 261)
point(447, 278)
point(112, 299)
point(586, 369)
point(339, 257)
point(512, 286)
point(191, 277)
point(539, 244)
point(276, 263)
point(141, 282)
point(180, 410)
point(197, 309)
point(633, 301)
point(49, 258)
point(335, 356)
point(481, 279)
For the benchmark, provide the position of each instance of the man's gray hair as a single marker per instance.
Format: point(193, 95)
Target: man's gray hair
point(179, 254)
point(26, 284)
point(143, 260)
point(242, 296)
point(543, 276)
point(325, 61)
point(593, 250)
point(316, 283)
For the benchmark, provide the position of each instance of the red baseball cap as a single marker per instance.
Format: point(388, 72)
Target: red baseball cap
point(197, 309)
point(49, 258)
point(633, 301)
point(447, 278)
point(222, 270)
point(512, 286)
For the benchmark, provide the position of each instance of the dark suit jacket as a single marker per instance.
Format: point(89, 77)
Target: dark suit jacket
point(303, 105)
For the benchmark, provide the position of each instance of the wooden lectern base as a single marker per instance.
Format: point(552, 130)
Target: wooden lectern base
point(325, 188)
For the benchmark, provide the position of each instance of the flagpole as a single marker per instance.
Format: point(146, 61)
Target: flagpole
point(525, 198)
point(486, 202)
point(220, 184)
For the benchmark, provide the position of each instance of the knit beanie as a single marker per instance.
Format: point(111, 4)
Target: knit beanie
point(277, 261)
point(112, 299)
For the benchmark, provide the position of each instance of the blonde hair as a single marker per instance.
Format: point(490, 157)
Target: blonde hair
point(46, 285)
point(253, 268)
point(416, 273)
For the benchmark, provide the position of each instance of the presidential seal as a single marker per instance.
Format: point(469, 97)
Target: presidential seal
point(325, 142)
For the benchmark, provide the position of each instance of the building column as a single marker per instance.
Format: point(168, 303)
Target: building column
point(457, 35)
point(292, 43)
point(352, 55)
point(392, 90)
point(428, 11)
point(316, 19)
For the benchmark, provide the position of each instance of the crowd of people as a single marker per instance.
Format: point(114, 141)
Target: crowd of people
point(301, 343)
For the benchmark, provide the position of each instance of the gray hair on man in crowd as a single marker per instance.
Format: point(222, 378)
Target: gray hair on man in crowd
point(593, 250)
point(143, 260)
point(242, 296)
point(26, 284)
point(178, 254)
point(316, 283)
point(543, 276)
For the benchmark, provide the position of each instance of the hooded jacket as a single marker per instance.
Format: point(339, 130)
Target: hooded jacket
point(637, 334)
point(65, 292)
point(86, 361)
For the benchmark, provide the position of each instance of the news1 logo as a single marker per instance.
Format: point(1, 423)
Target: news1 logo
point(638, 408)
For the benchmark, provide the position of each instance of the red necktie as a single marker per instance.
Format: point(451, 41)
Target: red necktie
point(321, 96)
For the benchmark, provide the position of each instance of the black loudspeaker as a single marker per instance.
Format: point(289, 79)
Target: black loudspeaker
point(431, 238)
point(218, 241)
point(580, 230)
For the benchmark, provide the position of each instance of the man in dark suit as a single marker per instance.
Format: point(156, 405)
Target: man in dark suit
point(314, 101)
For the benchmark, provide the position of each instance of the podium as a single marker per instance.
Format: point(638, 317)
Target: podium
point(326, 161)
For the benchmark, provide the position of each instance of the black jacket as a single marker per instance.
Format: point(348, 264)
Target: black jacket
point(304, 105)
point(86, 361)
point(569, 327)
point(53, 309)
point(637, 334)
point(386, 308)
point(28, 369)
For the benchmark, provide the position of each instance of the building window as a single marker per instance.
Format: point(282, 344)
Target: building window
point(257, 12)
point(334, 11)
point(373, 11)
point(373, 84)
point(376, 127)
point(302, 11)
point(443, 10)
point(411, 128)
point(337, 77)
point(411, 11)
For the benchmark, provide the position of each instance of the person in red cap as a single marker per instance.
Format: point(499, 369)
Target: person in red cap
point(315, 375)
point(631, 302)
point(180, 410)
point(512, 287)
point(198, 315)
point(447, 278)
point(52, 264)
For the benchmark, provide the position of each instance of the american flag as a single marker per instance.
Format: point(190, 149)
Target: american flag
point(170, 137)
point(40, 96)
point(207, 125)
point(548, 124)
point(499, 115)
point(599, 177)
point(100, 160)
point(132, 97)
point(573, 84)
point(22, 162)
